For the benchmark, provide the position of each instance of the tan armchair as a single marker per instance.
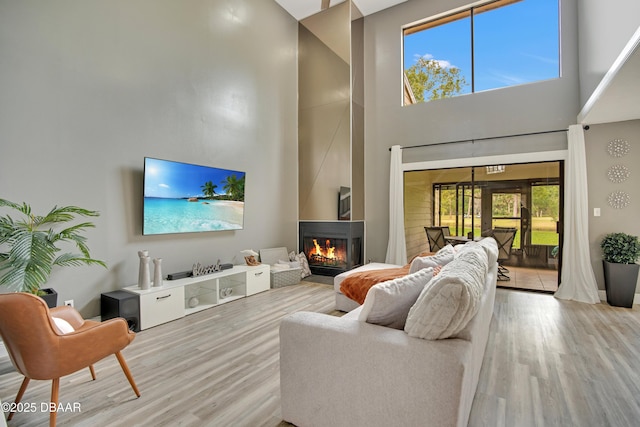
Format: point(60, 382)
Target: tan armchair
point(39, 350)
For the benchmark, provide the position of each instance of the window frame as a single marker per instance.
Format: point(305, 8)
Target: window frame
point(461, 13)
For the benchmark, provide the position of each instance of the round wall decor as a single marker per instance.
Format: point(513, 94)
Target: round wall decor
point(618, 199)
point(618, 148)
point(618, 173)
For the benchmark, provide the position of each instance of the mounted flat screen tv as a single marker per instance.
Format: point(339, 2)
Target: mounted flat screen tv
point(187, 198)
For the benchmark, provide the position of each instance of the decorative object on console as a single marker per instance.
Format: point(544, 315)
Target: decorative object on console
point(193, 302)
point(226, 292)
point(618, 148)
point(250, 256)
point(157, 272)
point(201, 270)
point(144, 279)
point(27, 270)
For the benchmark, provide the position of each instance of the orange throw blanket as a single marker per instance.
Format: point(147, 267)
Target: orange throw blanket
point(356, 285)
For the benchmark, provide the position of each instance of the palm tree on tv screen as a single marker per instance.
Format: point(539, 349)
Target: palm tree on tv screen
point(234, 187)
point(209, 189)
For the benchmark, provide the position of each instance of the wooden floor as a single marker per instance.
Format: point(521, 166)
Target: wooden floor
point(548, 363)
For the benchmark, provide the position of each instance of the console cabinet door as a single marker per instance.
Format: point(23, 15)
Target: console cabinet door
point(258, 279)
point(161, 306)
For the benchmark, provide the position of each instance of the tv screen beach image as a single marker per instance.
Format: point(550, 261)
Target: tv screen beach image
point(187, 198)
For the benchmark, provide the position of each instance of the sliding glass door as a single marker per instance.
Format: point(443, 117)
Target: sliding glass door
point(473, 202)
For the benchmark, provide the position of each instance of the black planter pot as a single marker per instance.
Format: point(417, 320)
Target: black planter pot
point(620, 283)
point(50, 296)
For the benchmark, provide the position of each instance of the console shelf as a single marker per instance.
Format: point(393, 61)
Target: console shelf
point(178, 298)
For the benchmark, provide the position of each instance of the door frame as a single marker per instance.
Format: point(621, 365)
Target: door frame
point(521, 158)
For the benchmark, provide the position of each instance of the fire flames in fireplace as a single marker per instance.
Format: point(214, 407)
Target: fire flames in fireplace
point(328, 254)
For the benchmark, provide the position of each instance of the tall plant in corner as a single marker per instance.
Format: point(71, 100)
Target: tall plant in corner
point(29, 245)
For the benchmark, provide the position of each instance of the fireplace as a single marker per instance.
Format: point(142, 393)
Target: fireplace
point(332, 247)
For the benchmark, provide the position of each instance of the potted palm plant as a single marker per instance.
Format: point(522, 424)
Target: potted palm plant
point(29, 246)
point(621, 251)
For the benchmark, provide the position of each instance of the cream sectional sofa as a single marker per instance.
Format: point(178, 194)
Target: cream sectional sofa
point(342, 371)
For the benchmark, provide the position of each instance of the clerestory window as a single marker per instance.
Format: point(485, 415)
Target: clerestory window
point(494, 45)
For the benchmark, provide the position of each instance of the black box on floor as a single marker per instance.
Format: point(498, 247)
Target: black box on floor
point(121, 304)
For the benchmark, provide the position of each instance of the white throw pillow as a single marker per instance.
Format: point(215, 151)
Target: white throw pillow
point(440, 258)
point(451, 299)
point(62, 325)
point(388, 303)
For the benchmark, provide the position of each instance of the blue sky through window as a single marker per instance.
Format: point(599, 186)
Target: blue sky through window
point(514, 44)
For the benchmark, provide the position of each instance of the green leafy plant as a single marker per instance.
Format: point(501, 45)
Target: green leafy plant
point(620, 248)
point(430, 80)
point(29, 245)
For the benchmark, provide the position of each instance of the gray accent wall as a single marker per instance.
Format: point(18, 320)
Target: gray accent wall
point(331, 112)
point(542, 106)
point(611, 220)
point(324, 136)
point(89, 88)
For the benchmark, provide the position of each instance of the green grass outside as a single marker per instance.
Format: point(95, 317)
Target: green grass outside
point(542, 233)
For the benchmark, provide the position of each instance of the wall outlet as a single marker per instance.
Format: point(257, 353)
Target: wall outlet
point(69, 302)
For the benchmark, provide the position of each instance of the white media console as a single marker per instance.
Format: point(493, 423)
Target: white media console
point(177, 298)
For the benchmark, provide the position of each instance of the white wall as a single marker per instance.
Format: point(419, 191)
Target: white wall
point(89, 88)
point(605, 29)
point(543, 106)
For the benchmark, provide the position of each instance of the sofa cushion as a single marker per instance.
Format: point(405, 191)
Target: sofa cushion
point(388, 303)
point(442, 257)
point(451, 299)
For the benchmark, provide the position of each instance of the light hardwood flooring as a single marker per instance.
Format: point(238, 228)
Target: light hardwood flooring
point(548, 363)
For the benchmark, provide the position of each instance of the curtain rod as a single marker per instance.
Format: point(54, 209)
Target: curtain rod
point(490, 137)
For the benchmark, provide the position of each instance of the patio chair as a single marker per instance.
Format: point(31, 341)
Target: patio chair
point(504, 238)
point(435, 236)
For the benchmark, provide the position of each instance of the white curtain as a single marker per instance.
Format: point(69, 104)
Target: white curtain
point(577, 281)
point(396, 249)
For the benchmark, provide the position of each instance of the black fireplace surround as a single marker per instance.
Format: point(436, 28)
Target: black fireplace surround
point(332, 247)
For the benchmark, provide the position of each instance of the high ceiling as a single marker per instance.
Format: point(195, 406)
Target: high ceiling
point(617, 97)
point(301, 9)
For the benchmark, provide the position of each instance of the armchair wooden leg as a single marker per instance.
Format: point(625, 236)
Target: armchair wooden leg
point(127, 372)
point(23, 388)
point(55, 388)
point(93, 372)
